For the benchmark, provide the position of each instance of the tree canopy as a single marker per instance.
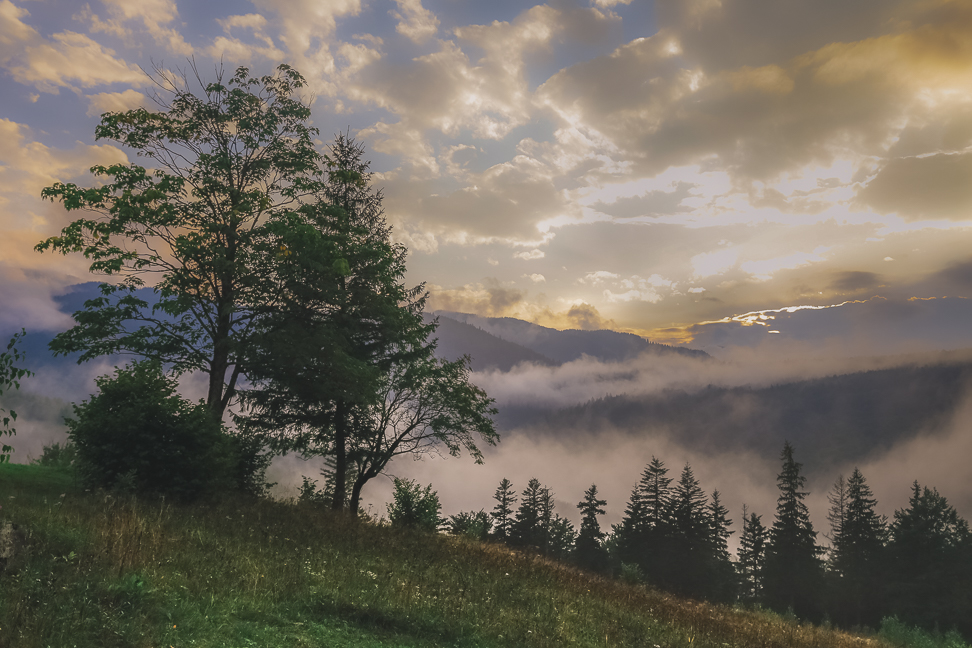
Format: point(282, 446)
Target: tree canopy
point(226, 162)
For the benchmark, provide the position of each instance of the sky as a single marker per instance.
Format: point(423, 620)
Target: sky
point(789, 178)
point(642, 166)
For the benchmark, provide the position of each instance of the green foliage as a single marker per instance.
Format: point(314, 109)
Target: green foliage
point(227, 162)
point(901, 635)
point(415, 507)
point(502, 513)
point(138, 434)
point(931, 554)
point(858, 537)
point(278, 575)
point(10, 376)
point(752, 557)
point(792, 574)
point(588, 551)
point(343, 368)
point(473, 524)
point(57, 456)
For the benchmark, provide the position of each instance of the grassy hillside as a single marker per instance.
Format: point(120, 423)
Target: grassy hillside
point(102, 570)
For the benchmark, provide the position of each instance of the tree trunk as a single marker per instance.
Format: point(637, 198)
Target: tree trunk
point(340, 455)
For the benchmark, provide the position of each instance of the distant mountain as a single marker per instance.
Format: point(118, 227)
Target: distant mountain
point(565, 346)
point(835, 419)
point(456, 339)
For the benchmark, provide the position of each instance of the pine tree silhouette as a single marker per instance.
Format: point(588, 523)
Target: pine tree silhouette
point(792, 575)
point(588, 551)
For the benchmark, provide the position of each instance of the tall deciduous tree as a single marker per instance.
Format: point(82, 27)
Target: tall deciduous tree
point(10, 376)
point(792, 573)
point(225, 162)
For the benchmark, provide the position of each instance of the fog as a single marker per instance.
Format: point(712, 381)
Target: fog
point(611, 458)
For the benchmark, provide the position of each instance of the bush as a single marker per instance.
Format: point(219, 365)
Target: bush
point(57, 456)
point(475, 524)
point(898, 633)
point(414, 506)
point(138, 434)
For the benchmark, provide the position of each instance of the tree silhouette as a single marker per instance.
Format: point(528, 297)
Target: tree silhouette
point(792, 573)
point(752, 555)
point(931, 555)
point(858, 537)
point(502, 513)
point(588, 551)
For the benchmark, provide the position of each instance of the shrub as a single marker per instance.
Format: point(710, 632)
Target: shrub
point(57, 456)
point(475, 524)
point(138, 434)
point(414, 506)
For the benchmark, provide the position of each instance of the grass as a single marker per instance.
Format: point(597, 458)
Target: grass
point(103, 570)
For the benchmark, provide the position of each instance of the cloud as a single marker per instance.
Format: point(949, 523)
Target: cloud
point(529, 255)
point(66, 60)
point(536, 278)
point(852, 281)
point(234, 48)
point(414, 21)
point(490, 299)
point(27, 167)
point(154, 16)
point(715, 262)
point(115, 102)
point(935, 186)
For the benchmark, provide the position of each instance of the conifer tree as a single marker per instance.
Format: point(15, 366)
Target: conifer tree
point(502, 513)
point(589, 552)
point(686, 571)
point(527, 529)
point(722, 573)
point(792, 573)
point(644, 531)
point(858, 538)
point(931, 563)
point(752, 554)
point(560, 538)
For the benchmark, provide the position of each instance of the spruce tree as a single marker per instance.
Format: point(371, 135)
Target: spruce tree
point(722, 582)
point(589, 552)
point(792, 574)
point(931, 563)
point(686, 571)
point(560, 537)
point(527, 529)
point(858, 545)
point(644, 530)
point(503, 511)
point(752, 555)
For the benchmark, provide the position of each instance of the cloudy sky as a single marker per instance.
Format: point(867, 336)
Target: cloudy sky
point(640, 165)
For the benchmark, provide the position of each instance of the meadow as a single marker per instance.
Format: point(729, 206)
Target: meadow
point(105, 569)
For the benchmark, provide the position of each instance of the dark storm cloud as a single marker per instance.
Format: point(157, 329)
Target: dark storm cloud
point(854, 281)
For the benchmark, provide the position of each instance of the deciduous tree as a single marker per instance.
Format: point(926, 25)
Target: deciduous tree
point(225, 162)
point(10, 376)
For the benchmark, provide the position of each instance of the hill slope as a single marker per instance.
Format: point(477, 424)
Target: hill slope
point(107, 570)
point(565, 346)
